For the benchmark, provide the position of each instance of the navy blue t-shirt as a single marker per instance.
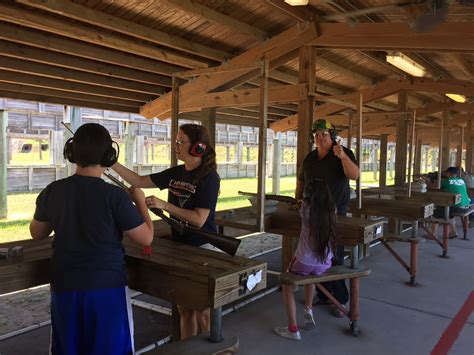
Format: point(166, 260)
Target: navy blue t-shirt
point(88, 217)
point(184, 194)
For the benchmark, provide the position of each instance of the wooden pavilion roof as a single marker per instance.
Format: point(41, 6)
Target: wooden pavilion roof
point(121, 55)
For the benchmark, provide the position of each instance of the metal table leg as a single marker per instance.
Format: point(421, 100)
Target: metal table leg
point(216, 325)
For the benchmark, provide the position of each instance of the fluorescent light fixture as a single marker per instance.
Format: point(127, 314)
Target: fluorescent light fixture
point(457, 98)
point(406, 64)
point(297, 2)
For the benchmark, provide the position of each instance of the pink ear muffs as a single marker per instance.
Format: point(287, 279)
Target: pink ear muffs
point(197, 150)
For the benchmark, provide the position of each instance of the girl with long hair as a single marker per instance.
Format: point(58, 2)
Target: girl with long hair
point(314, 252)
point(193, 188)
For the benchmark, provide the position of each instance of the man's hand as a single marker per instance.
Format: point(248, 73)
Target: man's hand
point(338, 151)
point(137, 195)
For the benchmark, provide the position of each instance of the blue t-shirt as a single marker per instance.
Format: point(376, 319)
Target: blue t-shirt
point(184, 194)
point(88, 217)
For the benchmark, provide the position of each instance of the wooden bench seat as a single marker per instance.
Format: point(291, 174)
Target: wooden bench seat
point(402, 238)
point(199, 344)
point(335, 273)
point(464, 216)
point(436, 220)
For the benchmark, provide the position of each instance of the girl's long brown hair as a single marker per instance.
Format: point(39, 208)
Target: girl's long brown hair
point(199, 134)
point(322, 217)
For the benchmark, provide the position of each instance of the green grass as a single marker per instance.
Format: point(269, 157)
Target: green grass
point(21, 206)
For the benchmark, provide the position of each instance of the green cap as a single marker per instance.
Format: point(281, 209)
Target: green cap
point(321, 124)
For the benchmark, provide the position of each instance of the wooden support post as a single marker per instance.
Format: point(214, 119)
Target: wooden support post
point(360, 104)
point(411, 153)
point(262, 146)
point(174, 118)
point(469, 147)
point(383, 160)
point(401, 145)
point(276, 167)
point(440, 148)
point(349, 130)
point(446, 147)
point(460, 148)
point(56, 146)
point(418, 155)
point(208, 120)
point(307, 75)
point(3, 163)
point(129, 145)
point(140, 149)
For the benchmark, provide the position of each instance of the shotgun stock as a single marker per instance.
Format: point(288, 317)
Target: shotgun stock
point(223, 242)
point(281, 198)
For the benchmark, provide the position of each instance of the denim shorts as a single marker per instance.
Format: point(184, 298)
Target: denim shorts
point(302, 269)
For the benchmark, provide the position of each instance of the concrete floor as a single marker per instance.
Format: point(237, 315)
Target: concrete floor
point(395, 318)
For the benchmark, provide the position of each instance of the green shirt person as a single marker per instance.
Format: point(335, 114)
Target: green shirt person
point(454, 184)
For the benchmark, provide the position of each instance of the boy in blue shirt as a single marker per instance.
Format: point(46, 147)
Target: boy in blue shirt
point(90, 305)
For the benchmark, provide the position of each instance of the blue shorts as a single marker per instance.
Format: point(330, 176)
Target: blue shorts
point(94, 322)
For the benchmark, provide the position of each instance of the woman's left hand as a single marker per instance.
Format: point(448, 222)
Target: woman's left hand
point(155, 202)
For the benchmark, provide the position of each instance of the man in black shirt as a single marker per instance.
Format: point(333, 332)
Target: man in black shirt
point(335, 165)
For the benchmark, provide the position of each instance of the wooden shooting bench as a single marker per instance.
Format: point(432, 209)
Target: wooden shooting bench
point(340, 272)
point(435, 196)
point(193, 277)
point(409, 210)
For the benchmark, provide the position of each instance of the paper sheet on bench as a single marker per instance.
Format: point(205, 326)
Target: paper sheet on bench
point(253, 280)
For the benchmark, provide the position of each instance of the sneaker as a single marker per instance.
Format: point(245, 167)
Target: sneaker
point(285, 333)
point(318, 302)
point(454, 236)
point(309, 322)
point(335, 311)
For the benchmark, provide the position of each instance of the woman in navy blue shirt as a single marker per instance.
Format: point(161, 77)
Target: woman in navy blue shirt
point(192, 197)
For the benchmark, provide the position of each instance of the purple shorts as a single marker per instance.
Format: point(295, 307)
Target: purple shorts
point(302, 269)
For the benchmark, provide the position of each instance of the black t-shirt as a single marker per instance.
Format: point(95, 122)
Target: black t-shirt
point(88, 217)
point(331, 171)
point(184, 194)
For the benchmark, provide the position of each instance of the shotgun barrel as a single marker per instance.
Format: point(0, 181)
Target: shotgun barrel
point(223, 242)
point(281, 198)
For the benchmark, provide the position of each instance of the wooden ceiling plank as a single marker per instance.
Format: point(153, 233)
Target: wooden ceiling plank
point(373, 93)
point(114, 23)
point(299, 13)
point(217, 17)
point(447, 37)
point(461, 119)
point(365, 80)
point(27, 67)
point(247, 97)
point(298, 35)
point(63, 45)
point(63, 101)
point(88, 34)
point(40, 91)
point(20, 51)
point(33, 80)
point(463, 64)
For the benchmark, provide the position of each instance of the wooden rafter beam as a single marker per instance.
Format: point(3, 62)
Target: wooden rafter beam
point(217, 17)
point(462, 87)
point(63, 101)
point(251, 97)
point(68, 46)
point(129, 28)
point(88, 34)
point(41, 91)
point(447, 37)
point(27, 67)
point(461, 119)
point(273, 49)
point(299, 13)
point(463, 107)
point(372, 93)
point(38, 55)
point(49, 83)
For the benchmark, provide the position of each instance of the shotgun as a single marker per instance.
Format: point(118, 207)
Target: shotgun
point(281, 198)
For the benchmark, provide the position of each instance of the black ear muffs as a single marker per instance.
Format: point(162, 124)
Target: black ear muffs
point(198, 149)
point(110, 156)
point(68, 151)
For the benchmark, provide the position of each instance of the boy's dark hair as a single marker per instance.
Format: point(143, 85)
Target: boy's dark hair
point(91, 145)
point(322, 217)
point(453, 170)
point(199, 136)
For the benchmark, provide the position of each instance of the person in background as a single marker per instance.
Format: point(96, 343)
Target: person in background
point(193, 189)
point(451, 182)
point(335, 165)
point(90, 303)
point(313, 254)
